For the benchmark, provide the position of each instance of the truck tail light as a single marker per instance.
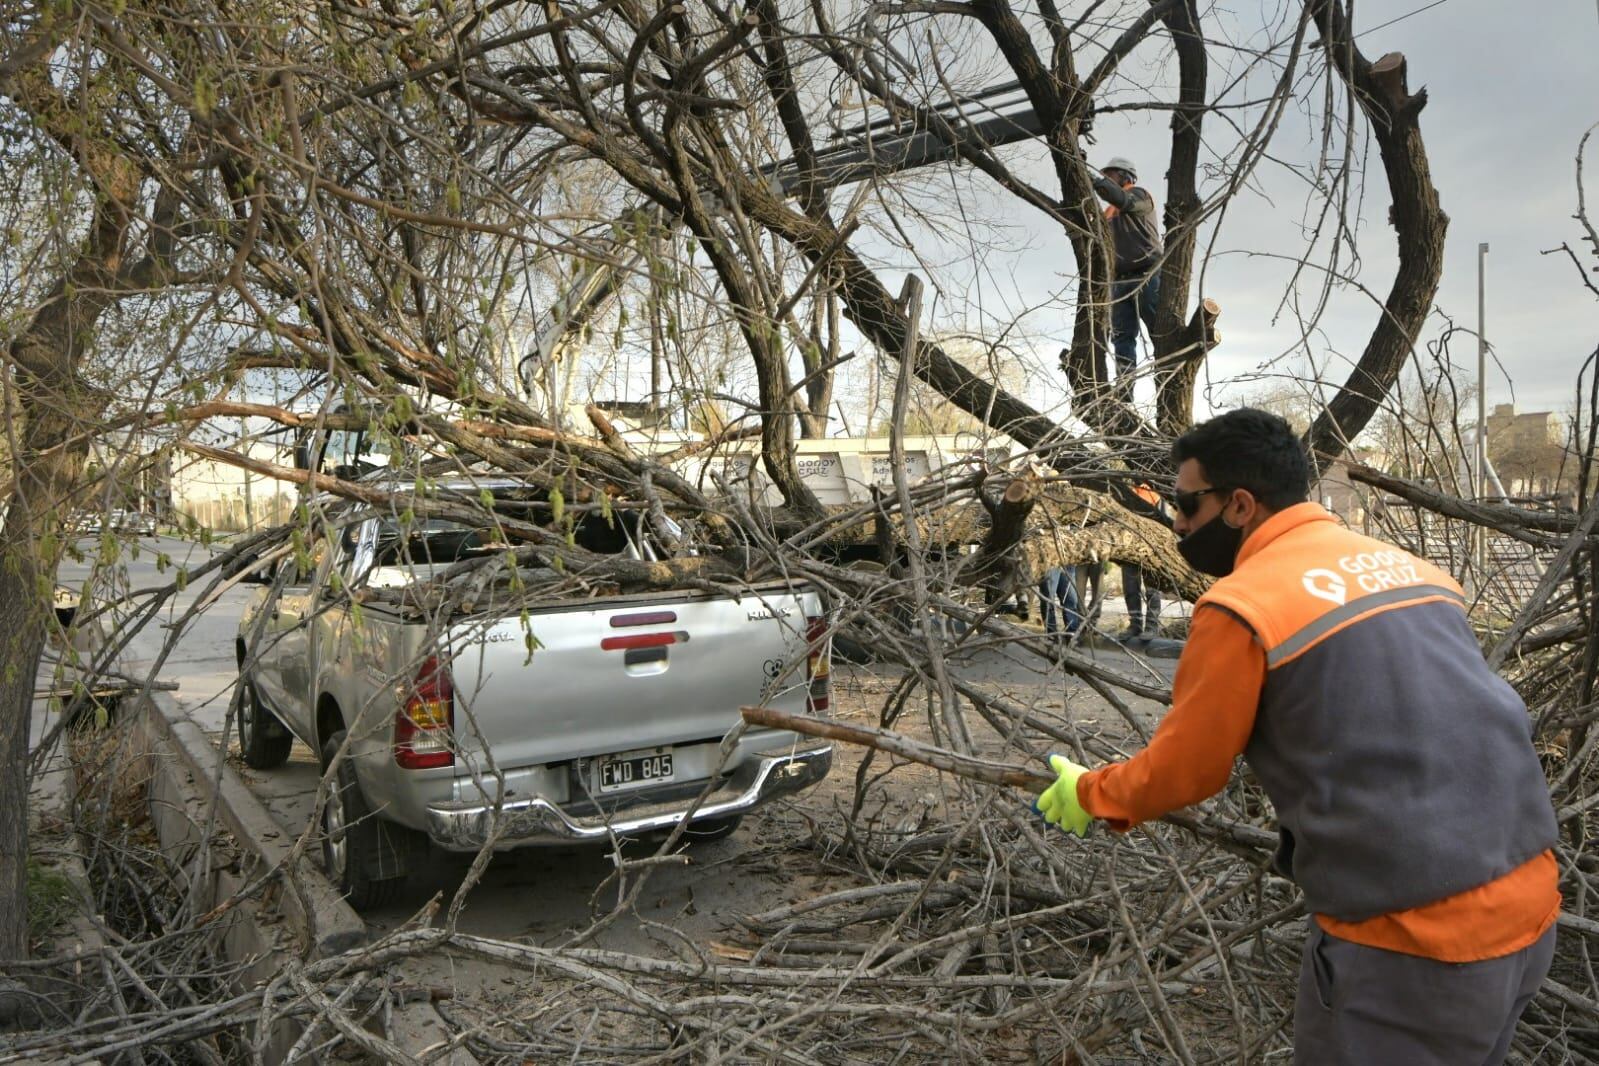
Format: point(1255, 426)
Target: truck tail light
point(818, 665)
point(422, 729)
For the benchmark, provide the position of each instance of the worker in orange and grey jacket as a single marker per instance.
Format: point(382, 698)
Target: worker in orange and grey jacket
point(1413, 812)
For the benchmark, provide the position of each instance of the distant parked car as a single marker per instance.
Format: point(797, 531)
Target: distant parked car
point(84, 522)
point(138, 523)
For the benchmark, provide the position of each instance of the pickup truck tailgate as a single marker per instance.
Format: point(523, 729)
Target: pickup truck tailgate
point(623, 674)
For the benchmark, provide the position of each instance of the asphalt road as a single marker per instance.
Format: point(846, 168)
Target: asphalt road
point(201, 657)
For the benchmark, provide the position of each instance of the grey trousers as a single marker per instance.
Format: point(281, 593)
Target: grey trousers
point(1360, 1005)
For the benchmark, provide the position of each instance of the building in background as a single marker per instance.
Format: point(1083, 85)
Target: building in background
point(130, 473)
point(1356, 504)
point(227, 498)
point(1528, 451)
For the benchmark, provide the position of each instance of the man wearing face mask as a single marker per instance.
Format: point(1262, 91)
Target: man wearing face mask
point(1412, 809)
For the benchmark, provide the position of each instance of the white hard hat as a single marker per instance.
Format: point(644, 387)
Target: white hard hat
point(1122, 163)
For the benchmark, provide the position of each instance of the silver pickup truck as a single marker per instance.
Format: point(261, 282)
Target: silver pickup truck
point(583, 720)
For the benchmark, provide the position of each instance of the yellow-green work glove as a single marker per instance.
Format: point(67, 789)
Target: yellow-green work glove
point(1058, 803)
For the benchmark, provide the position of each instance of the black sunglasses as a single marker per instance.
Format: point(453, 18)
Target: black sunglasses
point(1188, 502)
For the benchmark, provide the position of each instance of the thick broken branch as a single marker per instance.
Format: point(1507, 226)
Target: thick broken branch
point(1177, 367)
point(996, 558)
point(1523, 525)
point(1184, 208)
point(1419, 222)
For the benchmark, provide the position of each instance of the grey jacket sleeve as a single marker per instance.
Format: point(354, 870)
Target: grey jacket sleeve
point(1112, 193)
point(1134, 201)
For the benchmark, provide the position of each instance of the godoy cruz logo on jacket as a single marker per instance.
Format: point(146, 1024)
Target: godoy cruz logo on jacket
point(1326, 585)
point(1372, 571)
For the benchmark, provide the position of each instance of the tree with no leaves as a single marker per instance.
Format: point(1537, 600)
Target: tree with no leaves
point(356, 196)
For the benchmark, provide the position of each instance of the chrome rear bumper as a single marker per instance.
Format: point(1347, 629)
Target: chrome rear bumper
point(467, 827)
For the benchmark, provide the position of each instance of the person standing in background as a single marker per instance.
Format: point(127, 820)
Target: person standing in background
point(1141, 597)
point(1058, 590)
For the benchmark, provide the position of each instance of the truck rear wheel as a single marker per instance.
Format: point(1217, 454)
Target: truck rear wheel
point(713, 829)
point(365, 857)
point(264, 742)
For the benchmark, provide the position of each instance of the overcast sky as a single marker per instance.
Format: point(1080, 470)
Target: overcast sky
point(1512, 88)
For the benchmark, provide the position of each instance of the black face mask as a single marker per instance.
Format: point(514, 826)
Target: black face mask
point(1213, 547)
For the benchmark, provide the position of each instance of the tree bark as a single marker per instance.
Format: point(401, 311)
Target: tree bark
point(1171, 341)
point(1055, 91)
point(1177, 370)
point(995, 563)
point(56, 405)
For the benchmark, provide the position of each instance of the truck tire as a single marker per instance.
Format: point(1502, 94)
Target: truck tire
point(713, 829)
point(264, 742)
point(364, 856)
point(850, 650)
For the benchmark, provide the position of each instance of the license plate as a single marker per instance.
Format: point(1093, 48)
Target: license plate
point(635, 769)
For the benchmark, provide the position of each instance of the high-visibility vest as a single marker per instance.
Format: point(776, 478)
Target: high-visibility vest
point(1401, 767)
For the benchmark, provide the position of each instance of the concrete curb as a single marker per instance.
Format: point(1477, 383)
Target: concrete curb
point(318, 917)
point(178, 801)
point(322, 921)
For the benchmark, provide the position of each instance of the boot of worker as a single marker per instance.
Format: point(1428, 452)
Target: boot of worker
point(1133, 596)
point(1151, 627)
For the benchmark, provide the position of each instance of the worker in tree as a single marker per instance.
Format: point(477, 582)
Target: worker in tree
point(1412, 809)
point(1141, 596)
point(1135, 239)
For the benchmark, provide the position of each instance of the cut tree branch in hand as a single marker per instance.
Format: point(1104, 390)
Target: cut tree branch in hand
point(1259, 841)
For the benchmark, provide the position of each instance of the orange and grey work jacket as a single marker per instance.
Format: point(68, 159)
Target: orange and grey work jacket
point(1401, 767)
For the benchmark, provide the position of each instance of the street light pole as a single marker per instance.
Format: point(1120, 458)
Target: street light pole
point(1482, 400)
point(244, 448)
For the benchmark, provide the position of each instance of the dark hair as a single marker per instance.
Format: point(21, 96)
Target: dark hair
point(1250, 449)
